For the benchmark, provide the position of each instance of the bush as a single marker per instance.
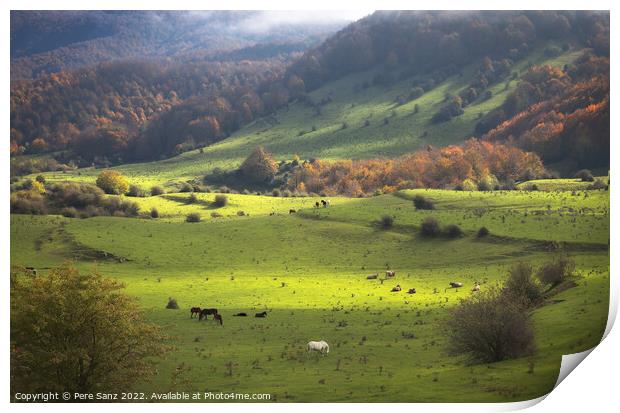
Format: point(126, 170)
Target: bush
point(585, 175)
point(69, 212)
point(484, 186)
point(220, 201)
point(275, 192)
point(172, 304)
point(598, 184)
point(112, 182)
point(430, 227)
point(240, 213)
point(259, 166)
point(490, 327)
point(135, 191)
point(157, 190)
point(192, 199)
point(387, 221)
point(154, 213)
point(40, 179)
point(50, 351)
point(28, 202)
point(186, 187)
point(521, 284)
point(453, 231)
point(193, 217)
point(420, 202)
point(556, 271)
point(483, 232)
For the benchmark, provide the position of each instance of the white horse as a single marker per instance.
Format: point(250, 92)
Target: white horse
point(320, 346)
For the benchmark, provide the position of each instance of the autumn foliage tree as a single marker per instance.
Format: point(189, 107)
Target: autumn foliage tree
point(476, 161)
point(77, 332)
point(259, 167)
point(112, 182)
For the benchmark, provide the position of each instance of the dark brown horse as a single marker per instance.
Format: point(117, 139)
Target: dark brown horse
point(218, 317)
point(194, 311)
point(207, 311)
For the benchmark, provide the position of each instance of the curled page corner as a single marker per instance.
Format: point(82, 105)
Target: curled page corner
point(569, 363)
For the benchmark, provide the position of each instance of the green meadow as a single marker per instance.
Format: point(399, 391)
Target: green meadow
point(392, 129)
point(308, 271)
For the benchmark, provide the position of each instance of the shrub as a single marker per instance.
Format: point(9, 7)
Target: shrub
point(135, 191)
point(157, 190)
point(216, 215)
point(430, 227)
point(490, 327)
point(172, 304)
point(483, 232)
point(69, 212)
point(453, 231)
point(387, 221)
point(192, 199)
point(521, 284)
point(112, 182)
point(275, 192)
point(154, 213)
point(28, 202)
point(49, 350)
point(585, 175)
point(240, 213)
point(469, 185)
point(186, 187)
point(598, 184)
point(40, 179)
point(421, 202)
point(556, 271)
point(220, 201)
point(484, 186)
point(193, 217)
point(259, 166)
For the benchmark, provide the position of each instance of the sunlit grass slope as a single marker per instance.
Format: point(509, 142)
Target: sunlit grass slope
point(308, 270)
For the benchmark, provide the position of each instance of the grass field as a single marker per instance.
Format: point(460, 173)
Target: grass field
point(290, 131)
point(308, 270)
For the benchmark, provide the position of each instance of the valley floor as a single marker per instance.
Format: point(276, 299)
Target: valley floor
point(308, 271)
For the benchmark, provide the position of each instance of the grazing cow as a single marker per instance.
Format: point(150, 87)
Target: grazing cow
point(261, 315)
point(316, 204)
point(390, 274)
point(32, 270)
point(240, 315)
point(218, 318)
point(411, 291)
point(207, 311)
point(324, 203)
point(194, 311)
point(372, 276)
point(396, 289)
point(476, 288)
point(454, 284)
point(320, 346)
point(291, 211)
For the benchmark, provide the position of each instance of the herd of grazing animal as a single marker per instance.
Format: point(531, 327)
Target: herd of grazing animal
point(319, 346)
point(203, 313)
point(323, 203)
point(398, 288)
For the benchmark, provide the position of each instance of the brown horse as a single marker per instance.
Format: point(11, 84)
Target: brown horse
point(218, 317)
point(194, 311)
point(207, 311)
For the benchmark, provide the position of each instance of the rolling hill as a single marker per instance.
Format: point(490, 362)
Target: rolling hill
point(289, 131)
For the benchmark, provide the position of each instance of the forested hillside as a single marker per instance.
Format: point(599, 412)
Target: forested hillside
point(385, 85)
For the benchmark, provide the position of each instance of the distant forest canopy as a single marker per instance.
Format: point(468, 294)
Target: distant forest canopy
point(46, 42)
point(145, 109)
